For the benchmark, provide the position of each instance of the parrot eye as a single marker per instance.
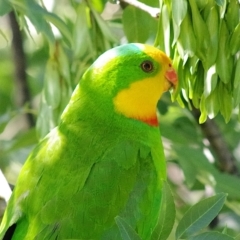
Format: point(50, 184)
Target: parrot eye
point(147, 66)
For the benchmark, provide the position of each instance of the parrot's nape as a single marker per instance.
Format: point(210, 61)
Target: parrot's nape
point(105, 159)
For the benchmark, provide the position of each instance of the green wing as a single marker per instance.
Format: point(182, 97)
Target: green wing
point(74, 188)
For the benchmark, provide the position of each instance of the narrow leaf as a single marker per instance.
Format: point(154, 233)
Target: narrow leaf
point(235, 40)
point(179, 11)
point(224, 63)
point(236, 80)
point(166, 29)
point(52, 89)
point(166, 215)
point(212, 236)
point(81, 35)
point(226, 103)
point(200, 215)
point(102, 25)
point(201, 32)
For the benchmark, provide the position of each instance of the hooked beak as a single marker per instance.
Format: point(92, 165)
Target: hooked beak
point(171, 76)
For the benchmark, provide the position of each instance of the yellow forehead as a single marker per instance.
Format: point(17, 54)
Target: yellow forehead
point(156, 54)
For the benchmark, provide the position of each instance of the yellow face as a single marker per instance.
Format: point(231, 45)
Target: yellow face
point(140, 99)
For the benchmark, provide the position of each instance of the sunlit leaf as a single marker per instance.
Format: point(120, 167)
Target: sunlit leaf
point(179, 11)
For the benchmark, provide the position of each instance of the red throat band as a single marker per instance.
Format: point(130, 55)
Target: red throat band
point(151, 121)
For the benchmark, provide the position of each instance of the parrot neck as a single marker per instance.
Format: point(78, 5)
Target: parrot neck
point(140, 111)
point(150, 121)
point(139, 101)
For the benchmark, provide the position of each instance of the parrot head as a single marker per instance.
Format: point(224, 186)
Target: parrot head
point(130, 80)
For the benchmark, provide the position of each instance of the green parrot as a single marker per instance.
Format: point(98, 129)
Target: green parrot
point(104, 159)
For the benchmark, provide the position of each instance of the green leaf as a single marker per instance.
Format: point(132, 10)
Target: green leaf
point(40, 17)
point(135, 25)
point(35, 14)
point(235, 40)
point(4, 36)
point(126, 231)
point(236, 95)
point(4, 120)
point(228, 183)
point(166, 29)
point(186, 43)
point(52, 89)
point(159, 39)
point(98, 4)
point(224, 62)
point(212, 104)
point(60, 25)
point(82, 42)
point(194, 164)
point(212, 236)
point(166, 215)
point(45, 121)
point(232, 15)
point(179, 11)
point(204, 114)
point(212, 22)
point(226, 102)
point(201, 4)
point(25, 139)
point(5, 7)
point(237, 237)
point(220, 2)
point(200, 215)
point(201, 32)
point(102, 25)
point(236, 80)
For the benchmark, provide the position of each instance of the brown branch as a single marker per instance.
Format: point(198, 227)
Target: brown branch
point(23, 93)
point(154, 12)
point(224, 156)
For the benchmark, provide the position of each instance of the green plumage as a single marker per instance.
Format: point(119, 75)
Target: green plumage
point(96, 165)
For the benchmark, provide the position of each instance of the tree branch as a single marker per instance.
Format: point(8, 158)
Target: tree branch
point(212, 132)
point(154, 12)
point(23, 93)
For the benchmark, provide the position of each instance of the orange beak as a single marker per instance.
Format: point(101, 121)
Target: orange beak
point(171, 76)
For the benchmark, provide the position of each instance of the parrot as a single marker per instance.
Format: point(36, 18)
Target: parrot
point(104, 159)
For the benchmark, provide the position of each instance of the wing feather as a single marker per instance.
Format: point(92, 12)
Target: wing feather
point(76, 189)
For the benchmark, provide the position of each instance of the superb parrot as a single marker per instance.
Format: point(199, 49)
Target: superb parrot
point(104, 159)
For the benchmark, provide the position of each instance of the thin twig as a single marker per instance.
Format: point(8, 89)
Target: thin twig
point(23, 93)
point(154, 12)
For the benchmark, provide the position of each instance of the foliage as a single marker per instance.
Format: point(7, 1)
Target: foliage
point(205, 40)
point(61, 40)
